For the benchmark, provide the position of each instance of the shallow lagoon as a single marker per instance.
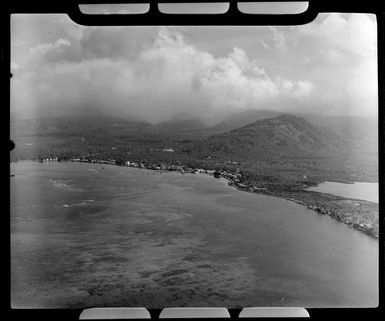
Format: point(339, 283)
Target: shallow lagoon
point(101, 235)
point(357, 190)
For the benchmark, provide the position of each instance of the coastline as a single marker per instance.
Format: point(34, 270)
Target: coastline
point(361, 215)
point(368, 226)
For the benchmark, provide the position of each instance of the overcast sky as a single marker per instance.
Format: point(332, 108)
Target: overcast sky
point(328, 66)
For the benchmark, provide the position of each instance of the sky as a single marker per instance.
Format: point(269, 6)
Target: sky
point(328, 67)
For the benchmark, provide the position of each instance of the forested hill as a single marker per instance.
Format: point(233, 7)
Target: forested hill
point(281, 137)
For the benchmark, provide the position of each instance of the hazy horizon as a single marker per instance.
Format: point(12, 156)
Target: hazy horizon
point(327, 67)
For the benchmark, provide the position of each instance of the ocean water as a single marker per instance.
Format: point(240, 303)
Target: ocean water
point(87, 235)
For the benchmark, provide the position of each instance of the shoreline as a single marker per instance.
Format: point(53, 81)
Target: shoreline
point(366, 228)
point(358, 214)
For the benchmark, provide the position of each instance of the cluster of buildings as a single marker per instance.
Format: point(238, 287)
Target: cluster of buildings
point(167, 150)
point(234, 179)
point(165, 167)
point(48, 160)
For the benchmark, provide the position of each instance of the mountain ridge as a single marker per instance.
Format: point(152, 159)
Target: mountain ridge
point(281, 136)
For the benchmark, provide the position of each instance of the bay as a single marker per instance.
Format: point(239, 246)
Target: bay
point(87, 235)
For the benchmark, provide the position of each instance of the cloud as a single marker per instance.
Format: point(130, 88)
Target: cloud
point(303, 88)
point(165, 77)
point(265, 45)
point(44, 48)
point(115, 42)
point(354, 34)
point(344, 62)
point(153, 73)
point(279, 39)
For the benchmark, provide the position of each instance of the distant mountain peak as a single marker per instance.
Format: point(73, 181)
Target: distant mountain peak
point(283, 119)
point(243, 118)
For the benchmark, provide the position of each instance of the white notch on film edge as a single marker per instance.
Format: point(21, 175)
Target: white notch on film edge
point(114, 313)
point(274, 312)
point(207, 312)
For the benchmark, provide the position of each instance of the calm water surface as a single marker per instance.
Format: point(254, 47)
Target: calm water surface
point(99, 235)
point(358, 190)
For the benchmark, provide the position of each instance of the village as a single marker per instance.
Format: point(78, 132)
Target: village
point(234, 179)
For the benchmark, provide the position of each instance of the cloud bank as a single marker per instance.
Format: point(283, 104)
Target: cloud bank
point(155, 73)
